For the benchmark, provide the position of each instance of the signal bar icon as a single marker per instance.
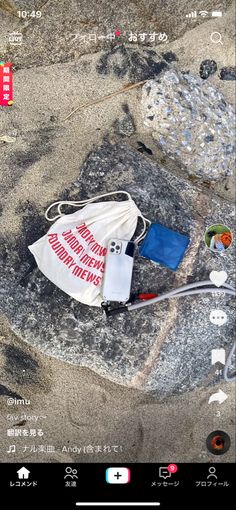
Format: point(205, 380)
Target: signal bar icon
point(192, 14)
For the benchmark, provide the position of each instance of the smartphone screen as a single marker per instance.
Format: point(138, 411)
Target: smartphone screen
point(133, 405)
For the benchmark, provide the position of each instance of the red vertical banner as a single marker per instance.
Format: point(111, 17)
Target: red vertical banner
point(6, 84)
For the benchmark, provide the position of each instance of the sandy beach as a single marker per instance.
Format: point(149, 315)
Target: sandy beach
point(83, 412)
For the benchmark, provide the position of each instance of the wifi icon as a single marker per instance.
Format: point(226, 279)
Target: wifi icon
point(203, 13)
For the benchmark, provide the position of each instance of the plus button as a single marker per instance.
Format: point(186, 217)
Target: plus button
point(118, 476)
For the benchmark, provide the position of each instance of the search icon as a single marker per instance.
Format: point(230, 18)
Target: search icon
point(216, 38)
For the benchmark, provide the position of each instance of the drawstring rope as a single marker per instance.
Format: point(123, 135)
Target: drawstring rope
point(78, 203)
point(81, 203)
point(143, 233)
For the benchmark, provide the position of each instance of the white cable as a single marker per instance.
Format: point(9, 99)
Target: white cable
point(189, 286)
point(176, 294)
point(228, 363)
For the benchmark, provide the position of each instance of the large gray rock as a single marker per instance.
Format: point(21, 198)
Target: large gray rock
point(165, 348)
point(192, 123)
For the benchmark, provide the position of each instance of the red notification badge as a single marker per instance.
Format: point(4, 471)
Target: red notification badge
point(172, 468)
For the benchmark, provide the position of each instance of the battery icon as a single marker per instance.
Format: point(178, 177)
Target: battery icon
point(216, 14)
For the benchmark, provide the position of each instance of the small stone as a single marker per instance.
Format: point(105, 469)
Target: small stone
point(124, 126)
point(228, 73)
point(230, 149)
point(207, 68)
point(143, 148)
point(209, 138)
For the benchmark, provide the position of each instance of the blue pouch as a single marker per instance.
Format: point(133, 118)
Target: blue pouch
point(164, 246)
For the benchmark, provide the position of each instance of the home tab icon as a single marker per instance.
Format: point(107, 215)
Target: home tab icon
point(23, 473)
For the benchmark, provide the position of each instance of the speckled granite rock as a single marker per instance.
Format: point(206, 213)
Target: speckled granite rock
point(192, 123)
point(164, 348)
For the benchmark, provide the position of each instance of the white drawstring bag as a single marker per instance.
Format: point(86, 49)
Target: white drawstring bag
point(72, 253)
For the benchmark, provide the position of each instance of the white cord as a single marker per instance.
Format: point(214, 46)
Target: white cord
point(79, 203)
point(185, 290)
point(228, 363)
point(143, 233)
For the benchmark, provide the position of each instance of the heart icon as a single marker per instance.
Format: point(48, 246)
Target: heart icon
point(218, 277)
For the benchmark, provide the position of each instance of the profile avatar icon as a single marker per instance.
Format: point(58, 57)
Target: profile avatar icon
point(218, 238)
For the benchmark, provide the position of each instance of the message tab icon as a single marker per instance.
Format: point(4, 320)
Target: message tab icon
point(164, 472)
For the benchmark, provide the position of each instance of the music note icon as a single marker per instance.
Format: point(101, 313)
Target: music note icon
point(12, 449)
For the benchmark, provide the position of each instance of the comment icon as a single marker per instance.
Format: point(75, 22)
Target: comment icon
point(218, 317)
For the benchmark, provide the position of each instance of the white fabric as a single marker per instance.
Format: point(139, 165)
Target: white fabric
point(72, 253)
